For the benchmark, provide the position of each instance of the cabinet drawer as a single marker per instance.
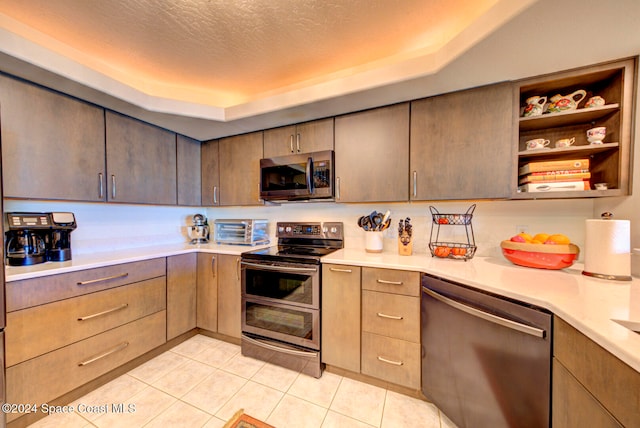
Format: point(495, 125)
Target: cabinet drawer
point(51, 375)
point(35, 331)
point(391, 281)
point(38, 291)
point(391, 315)
point(393, 360)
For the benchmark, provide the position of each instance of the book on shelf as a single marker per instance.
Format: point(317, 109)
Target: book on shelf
point(557, 165)
point(551, 176)
point(556, 186)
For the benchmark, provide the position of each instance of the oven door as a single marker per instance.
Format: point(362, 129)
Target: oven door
point(287, 283)
point(291, 324)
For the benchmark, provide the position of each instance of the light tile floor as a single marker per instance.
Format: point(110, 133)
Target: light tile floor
point(203, 381)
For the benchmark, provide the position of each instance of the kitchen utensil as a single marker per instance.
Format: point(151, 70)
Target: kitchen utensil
point(199, 232)
point(537, 143)
point(596, 135)
point(595, 102)
point(405, 243)
point(565, 142)
point(566, 102)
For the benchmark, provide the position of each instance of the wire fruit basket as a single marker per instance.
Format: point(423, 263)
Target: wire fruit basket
point(452, 250)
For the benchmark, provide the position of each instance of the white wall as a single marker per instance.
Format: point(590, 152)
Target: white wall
point(110, 227)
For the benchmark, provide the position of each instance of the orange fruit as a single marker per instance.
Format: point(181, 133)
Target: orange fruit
point(526, 236)
point(558, 238)
point(541, 238)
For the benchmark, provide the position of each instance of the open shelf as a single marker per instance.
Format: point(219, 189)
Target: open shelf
point(571, 117)
point(584, 150)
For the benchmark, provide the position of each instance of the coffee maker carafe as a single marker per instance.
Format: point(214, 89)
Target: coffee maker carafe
point(59, 239)
point(25, 247)
point(199, 232)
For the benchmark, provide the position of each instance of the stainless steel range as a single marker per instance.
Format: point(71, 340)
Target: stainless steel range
point(281, 296)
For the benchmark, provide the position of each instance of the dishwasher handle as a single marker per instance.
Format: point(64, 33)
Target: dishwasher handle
point(514, 325)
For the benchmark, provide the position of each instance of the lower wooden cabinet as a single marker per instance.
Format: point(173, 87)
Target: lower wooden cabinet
point(229, 294)
point(591, 387)
point(207, 292)
point(42, 379)
point(181, 294)
point(393, 360)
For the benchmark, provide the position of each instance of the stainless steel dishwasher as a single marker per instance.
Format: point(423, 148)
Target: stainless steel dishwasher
point(486, 360)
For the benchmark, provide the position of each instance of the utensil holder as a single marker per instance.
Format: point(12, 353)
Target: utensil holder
point(405, 250)
point(373, 242)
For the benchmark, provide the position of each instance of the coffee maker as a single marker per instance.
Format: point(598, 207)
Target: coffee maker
point(199, 232)
point(33, 238)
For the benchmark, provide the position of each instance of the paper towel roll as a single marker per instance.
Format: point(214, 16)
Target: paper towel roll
point(607, 252)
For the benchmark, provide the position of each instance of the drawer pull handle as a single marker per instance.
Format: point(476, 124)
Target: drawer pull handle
point(340, 270)
point(108, 278)
point(108, 311)
point(113, 350)
point(384, 281)
point(392, 317)
point(395, 363)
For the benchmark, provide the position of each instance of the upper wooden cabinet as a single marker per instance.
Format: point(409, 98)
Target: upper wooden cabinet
point(141, 161)
point(461, 144)
point(210, 170)
point(302, 138)
point(52, 145)
point(610, 162)
point(372, 155)
point(188, 170)
point(239, 160)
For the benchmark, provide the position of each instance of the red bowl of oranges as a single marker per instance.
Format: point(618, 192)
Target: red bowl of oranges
point(541, 251)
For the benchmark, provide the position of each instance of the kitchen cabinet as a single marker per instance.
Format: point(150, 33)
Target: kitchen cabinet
point(188, 171)
point(391, 326)
point(239, 160)
point(305, 137)
point(609, 162)
point(229, 294)
point(181, 294)
point(372, 155)
point(52, 144)
point(207, 292)
point(210, 170)
point(461, 144)
point(141, 162)
point(591, 387)
point(103, 318)
point(340, 329)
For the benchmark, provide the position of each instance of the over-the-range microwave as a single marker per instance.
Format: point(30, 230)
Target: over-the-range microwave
point(298, 177)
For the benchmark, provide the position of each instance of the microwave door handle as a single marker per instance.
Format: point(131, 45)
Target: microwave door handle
point(309, 173)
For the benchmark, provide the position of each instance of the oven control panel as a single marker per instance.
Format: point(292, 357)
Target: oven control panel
point(326, 230)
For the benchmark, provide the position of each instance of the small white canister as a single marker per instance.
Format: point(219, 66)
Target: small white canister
point(373, 242)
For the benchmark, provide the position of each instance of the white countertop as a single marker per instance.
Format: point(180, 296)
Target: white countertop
point(95, 260)
point(586, 303)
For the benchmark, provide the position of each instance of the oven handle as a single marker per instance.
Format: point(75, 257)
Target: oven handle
point(279, 268)
point(279, 349)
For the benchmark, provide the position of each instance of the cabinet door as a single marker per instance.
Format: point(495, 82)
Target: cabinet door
point(141, 162)
point(280, 141)
point(340, 329)
point(240, 169)
point(188, 169)
point(372, 155)
point(181, 294)
point(461, 144)
point(210, 170)
point(229, 292)
point(207, 292)
point(314, 136)
point(52, 145)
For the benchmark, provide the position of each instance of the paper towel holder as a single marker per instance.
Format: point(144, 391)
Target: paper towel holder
point(607, 216)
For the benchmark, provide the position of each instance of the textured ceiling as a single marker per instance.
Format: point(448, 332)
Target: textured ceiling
point(228, 52)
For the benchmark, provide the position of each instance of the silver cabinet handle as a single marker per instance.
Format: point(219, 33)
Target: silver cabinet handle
point(415, 183)
point(100, 186)
point(338, 188)
point(238, 268)
point(291, 142)
point(277, 348)
point(391, 317)
point(113, 187)
point(298, 142)
point(395, 363)
point(213, 266)
point(383, 281)
point(113, 350)
point(514, 325)
point(215, 195)
point(107, 278)
point(340, 270)
point(108, 311)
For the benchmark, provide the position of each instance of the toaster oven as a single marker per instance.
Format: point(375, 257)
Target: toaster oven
point(241, 231)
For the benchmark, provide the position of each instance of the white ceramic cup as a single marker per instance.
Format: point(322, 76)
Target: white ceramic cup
point(596, 135)
point(538, 143)
point(373, 242)
point(565, 142)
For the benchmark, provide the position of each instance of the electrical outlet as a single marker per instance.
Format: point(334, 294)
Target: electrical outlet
point(522, 228)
